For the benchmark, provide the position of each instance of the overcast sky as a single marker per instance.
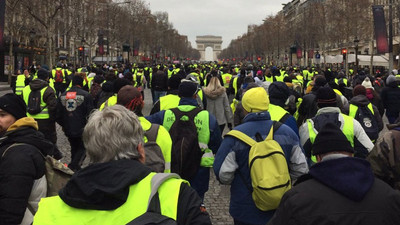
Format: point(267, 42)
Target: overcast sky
point(226, 18)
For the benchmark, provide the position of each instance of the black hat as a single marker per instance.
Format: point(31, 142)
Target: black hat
point(326, 97)
point(173, 82)
point(118, 84)
point(43, 74)
point(331, 139)
point(14, 105)
point(77, 80)
point(187, 89)
point(278, 93)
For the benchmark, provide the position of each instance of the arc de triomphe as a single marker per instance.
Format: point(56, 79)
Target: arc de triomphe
point(209, 41)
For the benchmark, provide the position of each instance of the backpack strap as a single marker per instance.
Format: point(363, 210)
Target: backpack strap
point(152, 133)
point(9, 147)
point(242, 136)
point(191, 114)
point(156, 181)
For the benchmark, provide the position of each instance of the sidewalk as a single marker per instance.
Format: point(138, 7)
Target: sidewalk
point(4, 86)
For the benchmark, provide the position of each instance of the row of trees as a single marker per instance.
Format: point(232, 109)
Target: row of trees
point(66, 24)
point(312, 25)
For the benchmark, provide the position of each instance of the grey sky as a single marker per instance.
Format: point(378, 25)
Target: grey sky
point(226, 18)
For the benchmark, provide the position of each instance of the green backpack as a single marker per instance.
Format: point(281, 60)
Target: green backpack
point(269, 171)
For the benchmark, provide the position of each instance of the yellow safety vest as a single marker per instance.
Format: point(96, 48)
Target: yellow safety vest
point(169, 101)
point(44, 114)
point(226, 78)
point(163, 140)
point(202, 123)
point(53, 73)
point(348, 131)
point(109, 102)
point(276, 112)
point(53, 210)
point(19, 84)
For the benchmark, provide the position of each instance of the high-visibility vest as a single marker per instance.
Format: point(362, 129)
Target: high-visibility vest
point(44, 114)
point(277, 112)
point(109, 102)
point(53, 210)
point(226, 78)
point(53, 73)
point(169, 101)
point(234, 85)
point(201, 120)
point(163, 140)
point(19, 84)
point(348, 131)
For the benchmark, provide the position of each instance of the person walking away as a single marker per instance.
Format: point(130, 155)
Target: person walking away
point(339, 189)
point(115, 188)
point(74, 107)
point(390, 96)
point(159, 83)
point(155, 134)
point(198, 163)
point(41, 103)
point(232, 159)
point(218, 103)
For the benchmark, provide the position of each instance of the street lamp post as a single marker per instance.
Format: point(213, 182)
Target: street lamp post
point(356, 49)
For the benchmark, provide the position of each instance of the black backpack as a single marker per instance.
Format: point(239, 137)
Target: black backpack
point(367, 121)
point(34, 100)
point(154, 157)
point(186, 153)
point(153, 214)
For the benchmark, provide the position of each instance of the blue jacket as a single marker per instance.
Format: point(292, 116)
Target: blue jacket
point(231, 165)
point(201, 180)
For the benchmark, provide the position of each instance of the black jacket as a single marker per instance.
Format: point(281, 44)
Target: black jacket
point(390, 96)
point(87, 190)
point(19, 167)
point(73, 112)
point(159, 81)
point(107, 91)
point(339, 191)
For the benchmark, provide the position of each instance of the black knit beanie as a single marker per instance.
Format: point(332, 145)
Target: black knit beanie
point(14, 105)
point(331, 139)
point(326, 97)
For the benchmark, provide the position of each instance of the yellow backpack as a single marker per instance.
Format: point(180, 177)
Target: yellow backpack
point(269, 171)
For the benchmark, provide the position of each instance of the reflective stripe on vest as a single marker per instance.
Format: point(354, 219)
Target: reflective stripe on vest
point(169, 101)
point(44, 114)
point(347, 129)
point(53, 210)
point(201, 120)
point(19, 84)
point(276, 112)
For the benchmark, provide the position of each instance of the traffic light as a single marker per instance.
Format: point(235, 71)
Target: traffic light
point(81, 50)
point(344, 53)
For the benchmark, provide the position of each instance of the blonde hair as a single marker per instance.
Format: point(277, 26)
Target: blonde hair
point(214, 84)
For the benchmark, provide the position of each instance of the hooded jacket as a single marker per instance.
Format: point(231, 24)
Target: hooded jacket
point(22, 167)
point(231, 165)
point(218, 105)
point(339, 191)
point(105, 186)
point(362, 100)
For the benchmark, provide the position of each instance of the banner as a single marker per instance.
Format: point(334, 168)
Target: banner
point(299, 53)
point(382, 45)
